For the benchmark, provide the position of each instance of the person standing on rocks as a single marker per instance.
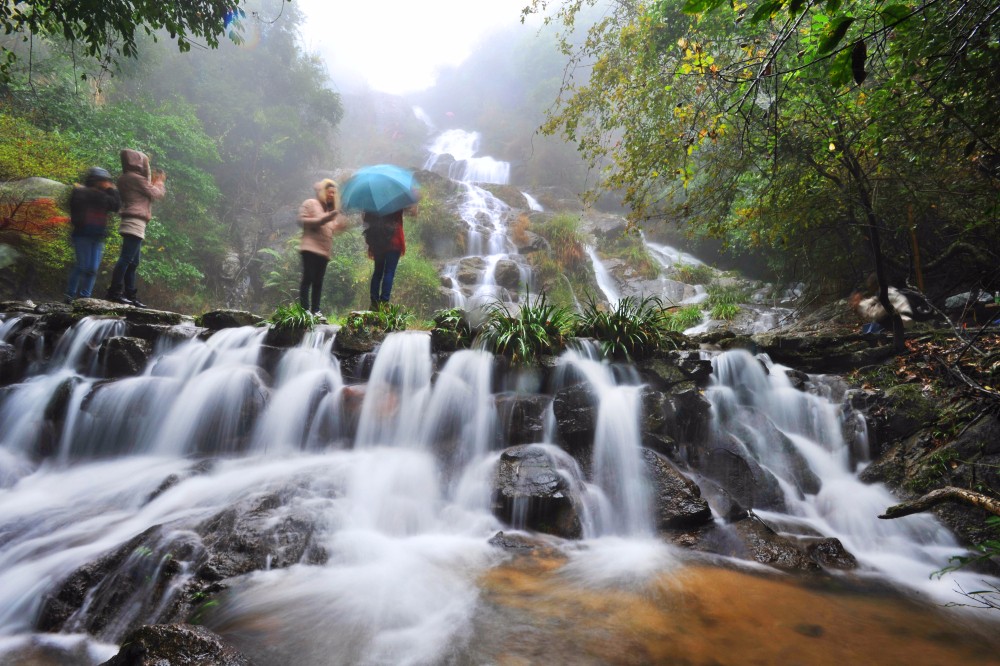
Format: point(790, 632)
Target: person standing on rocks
point(319, 219)
point(89, 207)
point(139, 187)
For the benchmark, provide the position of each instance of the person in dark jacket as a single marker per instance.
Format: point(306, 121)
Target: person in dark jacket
point(139, 188)
point(89, 207)
point(386, 244)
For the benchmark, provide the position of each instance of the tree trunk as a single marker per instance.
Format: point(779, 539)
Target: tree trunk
point(946, 494)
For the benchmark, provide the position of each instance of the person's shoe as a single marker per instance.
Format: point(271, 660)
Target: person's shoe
point(134, 300)
point(68, 300)
point(318, 316)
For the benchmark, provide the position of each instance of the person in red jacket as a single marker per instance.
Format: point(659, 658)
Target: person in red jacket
point(320, 219)
point(139, 188)
point(386, 244)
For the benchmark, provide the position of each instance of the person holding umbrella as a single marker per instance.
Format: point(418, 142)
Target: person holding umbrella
point(382, 192)
point(318, 217)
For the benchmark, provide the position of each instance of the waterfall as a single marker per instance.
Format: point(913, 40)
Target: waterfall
point(488, 239)
point(137, 479)
point(604, 279)
point(797, 439)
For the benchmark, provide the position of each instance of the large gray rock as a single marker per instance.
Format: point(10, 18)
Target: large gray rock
point(176, 645)
point(508, 275)
point(529, 492)
point(677, 500)
point(135, 583)
point(522, 417)
point(123, 356)
point(575, 409)
point(217, 320)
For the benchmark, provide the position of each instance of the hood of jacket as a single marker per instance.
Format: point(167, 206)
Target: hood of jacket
point(135, 162)
point(320, 188)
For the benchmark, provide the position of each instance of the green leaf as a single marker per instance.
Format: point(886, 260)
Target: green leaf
point(894, 13)
point(838, 28)
point(699, 6)
point(765, 11)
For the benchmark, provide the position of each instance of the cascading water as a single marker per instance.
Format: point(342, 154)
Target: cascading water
point(604, 279)
point(797, 439)
point(488, 242)
point(394, 476)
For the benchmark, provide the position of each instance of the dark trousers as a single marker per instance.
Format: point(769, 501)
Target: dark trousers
point(382, 276)
point(313, 270)
point(123, 277)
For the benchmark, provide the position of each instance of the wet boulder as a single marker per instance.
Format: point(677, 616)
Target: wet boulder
point(470, 269)
point(764, 545)
point(176, 645)
point(745, 481)
point(528, 241)
point(508, 275)
point(11, 368)
point(529, 492)
point(829, 553)
point(677, 500)
point(522, 417)
point(123, 356)
point(217, 320)
point(575, 409)
point(362, 333)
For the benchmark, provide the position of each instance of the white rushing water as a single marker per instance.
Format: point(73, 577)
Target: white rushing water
point(488, 241)
point(396, 475)
point(604, 280)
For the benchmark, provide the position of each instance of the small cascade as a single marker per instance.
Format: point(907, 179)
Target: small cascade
point(532, 202)
point(604, 279)
point(619, 485)
point(396, 396)
point(791, 442)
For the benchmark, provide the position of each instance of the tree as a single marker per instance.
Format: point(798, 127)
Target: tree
point(804, 128)
point(108, 29)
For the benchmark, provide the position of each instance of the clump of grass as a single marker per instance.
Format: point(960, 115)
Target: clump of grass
point(292, 316)
point(632, 330)
point(389, 317)
point(693, 273)
point(452, 329)
point(538, 328)
point(723, 300)
point(681, 319)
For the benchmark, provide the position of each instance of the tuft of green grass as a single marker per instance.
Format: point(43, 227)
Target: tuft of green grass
point(632, 330)
point(538, 328)
point(723, 300)
point(693, 273)
point(292, 316)
point(681, 319)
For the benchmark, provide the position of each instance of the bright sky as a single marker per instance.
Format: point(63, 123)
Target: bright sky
point(398, 46)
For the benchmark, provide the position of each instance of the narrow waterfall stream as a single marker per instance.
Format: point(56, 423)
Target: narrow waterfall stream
point(394, 478)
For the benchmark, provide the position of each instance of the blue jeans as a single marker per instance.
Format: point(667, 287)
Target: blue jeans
point(84, 273)
point(124, 273)
point(382, 276)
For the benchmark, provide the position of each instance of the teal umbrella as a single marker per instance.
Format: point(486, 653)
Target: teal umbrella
point(380, 189)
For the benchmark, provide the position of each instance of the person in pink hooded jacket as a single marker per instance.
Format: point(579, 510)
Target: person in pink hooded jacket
point(320, 219)
point(139, 188)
